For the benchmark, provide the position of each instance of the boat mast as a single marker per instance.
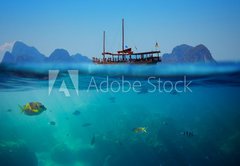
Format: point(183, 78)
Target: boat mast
point(123, 38)
point(103, 45)
point(122, 34)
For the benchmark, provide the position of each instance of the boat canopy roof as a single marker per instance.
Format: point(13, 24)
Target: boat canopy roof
point(131, 53)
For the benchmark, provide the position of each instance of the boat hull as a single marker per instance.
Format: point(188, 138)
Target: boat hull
point(128, 62)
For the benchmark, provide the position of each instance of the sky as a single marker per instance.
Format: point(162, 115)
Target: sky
point(77, 25)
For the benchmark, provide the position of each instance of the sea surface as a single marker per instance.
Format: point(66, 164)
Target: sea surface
point(96, 115)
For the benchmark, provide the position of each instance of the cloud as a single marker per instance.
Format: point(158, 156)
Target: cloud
point(5, 47)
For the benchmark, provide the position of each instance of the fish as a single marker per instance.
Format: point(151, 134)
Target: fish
point(106, 160)
point(187, 133)
point(53, 123)
point(143, 90)
point(119, 142)
point(93, 140)
point(9, 110)
point(86, 124)
point(174, 92)
point(32, 108)
point(165, 123)
point(140, 130)
point(76, 112)
point(67, 118)
point(112, 99)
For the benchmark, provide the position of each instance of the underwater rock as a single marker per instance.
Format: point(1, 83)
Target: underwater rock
point(13, 153)
point(231, 145)
point(106, 160)
point(62, 154)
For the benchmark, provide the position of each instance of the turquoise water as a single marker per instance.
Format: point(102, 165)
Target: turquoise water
point(94, 128)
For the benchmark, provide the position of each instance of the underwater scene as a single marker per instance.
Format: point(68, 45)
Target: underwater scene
point(113, 115)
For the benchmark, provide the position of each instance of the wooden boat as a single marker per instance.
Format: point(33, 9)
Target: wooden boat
point(127, 56)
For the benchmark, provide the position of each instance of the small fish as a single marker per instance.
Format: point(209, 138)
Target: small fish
point(118, 142)
point(112, 99)
point(76, 112)
point(143, 90)
point(165, 123)
point(106, 160)
point(52, 123)
point(140, 130)
point(187, 133)
point(9, 110)
point(174, 92)
point(206, 157)
point(86, 124)
point(93, 140)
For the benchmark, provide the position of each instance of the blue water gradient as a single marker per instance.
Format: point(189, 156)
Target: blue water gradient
point(101, 132)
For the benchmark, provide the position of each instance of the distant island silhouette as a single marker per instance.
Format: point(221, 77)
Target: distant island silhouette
point(188, 54)
point(22, 54)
